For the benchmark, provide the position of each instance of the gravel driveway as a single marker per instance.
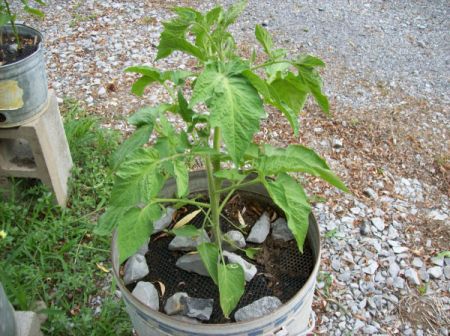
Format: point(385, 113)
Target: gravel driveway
point(388, 80)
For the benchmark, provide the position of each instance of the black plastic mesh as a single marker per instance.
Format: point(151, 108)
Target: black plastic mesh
point(289, 271)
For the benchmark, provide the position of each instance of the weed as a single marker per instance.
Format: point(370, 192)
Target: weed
point(50, 253)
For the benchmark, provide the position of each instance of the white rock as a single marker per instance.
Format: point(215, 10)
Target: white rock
point(135, 268)
point(147, 294)
point(281, 231)
point(417, 262)
point(435, 272)
point(436, 215)
point(183, 243)
point(192, 263)
point(399, 249)
point(412, 276)
point(371, 267)
point(236, 238)
point(437, 261)
point(378, 223)
point(101, 91)
point(394, 269)
point(260, 229)
point(249, 269)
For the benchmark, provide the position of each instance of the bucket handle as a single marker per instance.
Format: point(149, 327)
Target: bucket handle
point(282, 331)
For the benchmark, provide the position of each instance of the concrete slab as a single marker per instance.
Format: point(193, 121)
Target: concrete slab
point(27, 323)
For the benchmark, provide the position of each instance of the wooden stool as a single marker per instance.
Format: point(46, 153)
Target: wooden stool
point(38, 149)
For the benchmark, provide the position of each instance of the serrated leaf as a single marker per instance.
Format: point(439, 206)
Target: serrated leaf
point(213, 15)
point(312, 80)
point(289, 195)
point(186, 219)
point(235, 107)
point(134, 229)
point(251, 252)
point(145, 70)
point(171, 42)
point(147, 115)
point(187, 231)
point(109, 220)
point(138, 179)
point(181, 177)
point(135, 141)
point(231, 286)
point(233, 12)
point(209, 253)
point(297, 158)
point(176, 76)
point(258, 83)
point(183, 108)
point(263, 36)
point(310, 61)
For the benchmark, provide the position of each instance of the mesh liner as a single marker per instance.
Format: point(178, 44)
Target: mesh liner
point(283, 275)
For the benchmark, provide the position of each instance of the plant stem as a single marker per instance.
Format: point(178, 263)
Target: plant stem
point(13, 24)
point(178, 200)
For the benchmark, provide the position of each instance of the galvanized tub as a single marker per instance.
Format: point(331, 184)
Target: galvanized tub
point(294, 318)
point(7, 319)
point(23, 84)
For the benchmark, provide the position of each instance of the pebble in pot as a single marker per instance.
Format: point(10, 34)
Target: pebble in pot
point(257, 309)
point(234, 239)
point(249, 269)
point(147, 294)
point(281, 231)
point(135, 269)
point(260, 230)
point(198, 308)
point(174, 305)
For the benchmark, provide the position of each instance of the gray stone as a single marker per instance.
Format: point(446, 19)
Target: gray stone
point(399, 249)
point(447, 272)
point(27, 323)
point(369, 330)
point(144, 248)
point(371, 193)
point(192, 263)
point(371, 267)
point(378, 223)
point(281, 231)
point(336, 264)
point(198, 308)
point(135, 268)
point(417, 262)
point(437, 261)
point(399, 283)
point(173, 304)
point(260, 230)
point(394, 269)
point(236, 240)
point(412, 276)
point(345, 277)
point(435, 272)
point(249, 269)
point(183, 243)
point(358, 325)
point(164, 221)
point(423, 275)
point(147, 294)
point(364, 229)
point(257, 308)
point(101, 91)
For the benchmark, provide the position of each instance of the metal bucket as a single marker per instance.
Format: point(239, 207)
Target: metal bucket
point(7, 319)
point(294, 318)
point(23, 84)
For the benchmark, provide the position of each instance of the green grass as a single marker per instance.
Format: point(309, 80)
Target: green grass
point(50, 253)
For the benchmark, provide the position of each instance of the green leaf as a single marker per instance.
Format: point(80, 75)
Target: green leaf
point(258, 83)
point(187, 231)
point(213, 15)
point(171, 42)
point(140, 84)
point(4, 19)
point(138, 179)
point(310, 61)
point(443, 254)
point(183, 108)
point(235, 107)
point(181, 177)
point(263, 36)
point(176, 76)
point(231, 286)
point(251, 252)
point(230, 174)
point(291, 198)
point(297, 158)
point(135, 228)
point(109, 220)
point(135, 141)
point(312, 80)
point(290, 91)
point(147, 115)
point(209, 253)
point(145, 70)
point(33, 11)
point(233, 12)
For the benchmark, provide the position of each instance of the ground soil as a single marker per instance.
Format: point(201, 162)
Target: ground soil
point(282, 270)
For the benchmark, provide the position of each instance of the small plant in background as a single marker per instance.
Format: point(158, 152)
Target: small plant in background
point(7, 15)
point(233, 90)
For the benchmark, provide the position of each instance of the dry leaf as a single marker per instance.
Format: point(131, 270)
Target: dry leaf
point(241, 220)
point(161, 287)
point(102, 268)
point(186, 219)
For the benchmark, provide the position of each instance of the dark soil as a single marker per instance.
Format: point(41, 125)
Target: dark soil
point(282, 270)
point(9, 53)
